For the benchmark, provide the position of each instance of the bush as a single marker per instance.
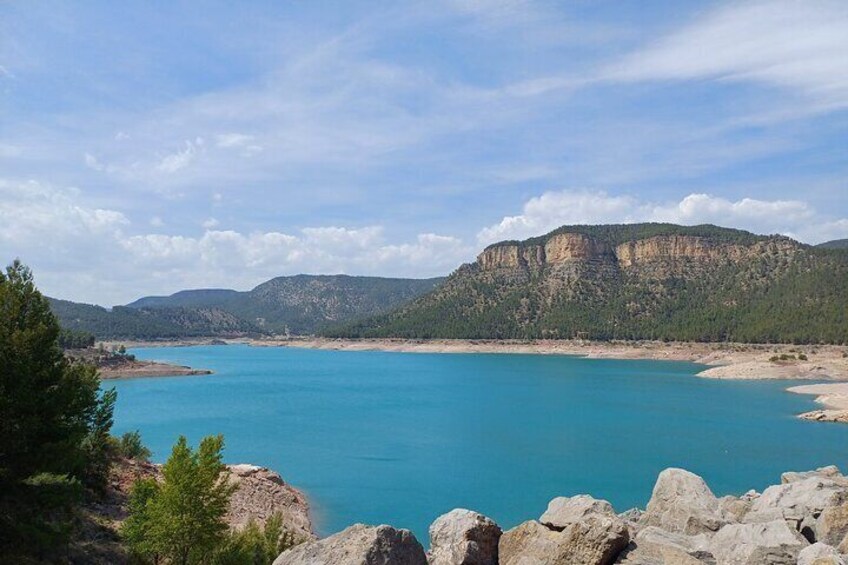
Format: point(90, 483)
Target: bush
point(802, 357)
point(255, 545)
point(131, 447)
point(774, 358)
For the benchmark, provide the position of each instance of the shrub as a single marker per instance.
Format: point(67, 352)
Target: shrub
point(255, 545)
point(802, 357)
point(131, 447)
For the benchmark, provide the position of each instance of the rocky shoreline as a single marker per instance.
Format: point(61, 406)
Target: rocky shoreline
point(259, 495)
point(803, 520)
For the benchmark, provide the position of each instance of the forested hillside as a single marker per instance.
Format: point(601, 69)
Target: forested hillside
point(640, 281)
point(300, 304)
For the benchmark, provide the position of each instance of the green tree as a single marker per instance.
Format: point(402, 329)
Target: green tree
point(52, 417)
point(131, 447)
point(181, 519)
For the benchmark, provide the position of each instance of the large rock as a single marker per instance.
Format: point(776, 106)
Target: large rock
point(563, 510)
point(262, 493)
point(596, 540)
point(358, 545)
point(683, 503)
point(796, 500)
point(463, 537)
point(829, 472)
point(774, 543)
point(832, 524)
point(653, 546)
point(820, 554)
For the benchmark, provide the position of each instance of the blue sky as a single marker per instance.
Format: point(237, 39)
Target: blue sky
point(151, 147)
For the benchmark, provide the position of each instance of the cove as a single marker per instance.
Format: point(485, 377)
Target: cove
point(400, 438)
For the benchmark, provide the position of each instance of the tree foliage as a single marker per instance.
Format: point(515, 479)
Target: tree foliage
point(54, 422)
point(181, 519)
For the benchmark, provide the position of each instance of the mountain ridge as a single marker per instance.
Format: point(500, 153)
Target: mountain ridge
point(299, 304)
point(634, 281)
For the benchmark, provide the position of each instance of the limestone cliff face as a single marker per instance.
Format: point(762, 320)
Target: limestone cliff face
point(570, 247)
point(574, 246)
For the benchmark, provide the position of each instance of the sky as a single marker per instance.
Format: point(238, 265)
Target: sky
point(149, 147)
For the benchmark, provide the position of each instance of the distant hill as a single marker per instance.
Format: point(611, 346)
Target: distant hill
point(835, 244)
point(299, 304)
point(635, 281)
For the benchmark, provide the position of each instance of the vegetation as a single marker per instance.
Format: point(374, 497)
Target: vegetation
point(181, 519)
point(779, 292)
point(74, 339)
point(131, 447)
point(256, 545)
point(300, 305)
point(54, 429)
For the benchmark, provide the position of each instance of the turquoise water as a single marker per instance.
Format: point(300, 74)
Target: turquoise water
point(401, 438)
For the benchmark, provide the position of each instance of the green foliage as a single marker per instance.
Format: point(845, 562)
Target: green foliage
point(255, 545)
point(181, 519)
point(131, 447)
point(54, 419)
point(74, 339)
point(802, 357)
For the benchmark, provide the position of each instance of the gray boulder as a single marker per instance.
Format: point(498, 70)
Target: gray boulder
point(683, 503)
point(829, 472)
point(774, 543)
point(358, 545)
point(820, 554)
point(795, 500)
point(564, 510)
point(596, 540)
point(463, 537)
point(831, 526)
point(653, 546)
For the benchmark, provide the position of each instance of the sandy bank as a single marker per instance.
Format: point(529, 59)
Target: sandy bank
point(141, 369)
point(834, 398)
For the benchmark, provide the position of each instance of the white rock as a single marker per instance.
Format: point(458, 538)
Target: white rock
point(463, 537)
point(683, 503)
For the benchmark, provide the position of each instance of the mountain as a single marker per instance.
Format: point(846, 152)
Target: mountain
point(149, 323)
point(835, 244)
point(299, 304)
point(635, 281)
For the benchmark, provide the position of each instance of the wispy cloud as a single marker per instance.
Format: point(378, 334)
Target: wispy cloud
point(797, 46)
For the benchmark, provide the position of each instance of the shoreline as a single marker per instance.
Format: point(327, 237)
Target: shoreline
point(734, 361)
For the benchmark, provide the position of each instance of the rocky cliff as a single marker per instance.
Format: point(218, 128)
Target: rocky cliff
point(639, 281)
point(803, 520)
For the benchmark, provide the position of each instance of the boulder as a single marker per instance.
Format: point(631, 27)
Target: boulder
point(596, 540)
point(358, 545)
point(828, 472)
point(773, 542)
point(733, 509)
point(563, 510)
point(683, 503)
point(795, 500)
point(653, 546)
point(820, 554)
point(831, 525)
point(463, 537)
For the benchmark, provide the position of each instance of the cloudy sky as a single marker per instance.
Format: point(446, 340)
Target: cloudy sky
point(149, 148)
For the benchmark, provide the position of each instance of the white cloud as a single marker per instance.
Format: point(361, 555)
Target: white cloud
point(180, 159)
point(232, 139)
point(556, 208)
point(785, 43)
point(210, 223)
point(82, 252)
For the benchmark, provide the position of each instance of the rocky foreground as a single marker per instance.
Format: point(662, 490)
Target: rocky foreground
point(803, 520)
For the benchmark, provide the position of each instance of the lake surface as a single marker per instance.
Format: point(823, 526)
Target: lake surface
point(401, 438)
